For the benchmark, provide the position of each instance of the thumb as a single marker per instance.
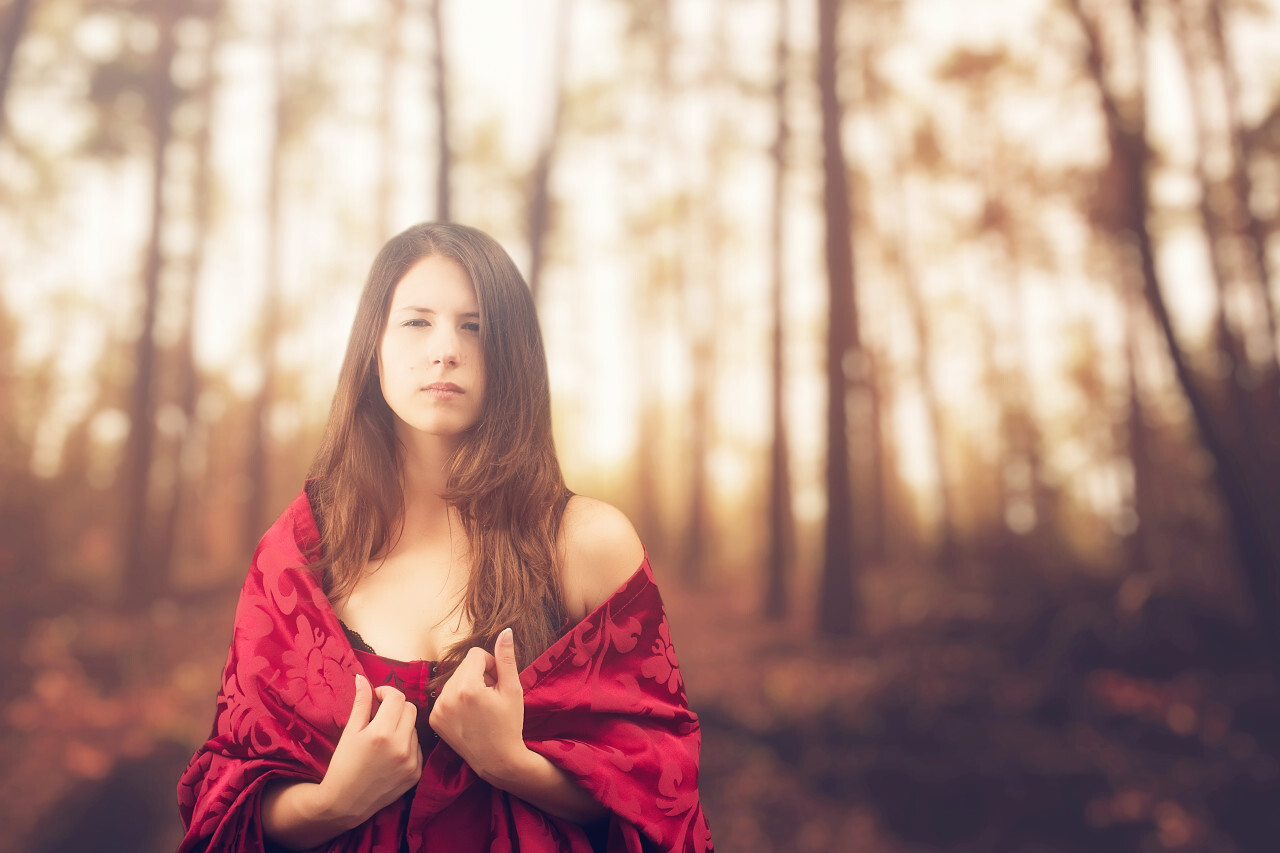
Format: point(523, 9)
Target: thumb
point(362, 705)
point(504, 653)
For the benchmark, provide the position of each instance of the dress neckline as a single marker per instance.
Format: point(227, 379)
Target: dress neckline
point(359, 645)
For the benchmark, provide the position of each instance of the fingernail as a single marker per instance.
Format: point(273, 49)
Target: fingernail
point(505, 636)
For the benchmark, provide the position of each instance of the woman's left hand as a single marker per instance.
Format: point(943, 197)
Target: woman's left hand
point(480, 711)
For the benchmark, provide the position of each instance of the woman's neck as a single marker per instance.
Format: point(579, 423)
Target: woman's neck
point(425, 477)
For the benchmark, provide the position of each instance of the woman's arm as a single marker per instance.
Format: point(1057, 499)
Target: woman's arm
point(376, 760)
point(297, 816)
point(537, 781)
point(480, 714)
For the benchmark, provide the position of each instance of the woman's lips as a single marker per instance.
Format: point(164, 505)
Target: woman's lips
point(443, 390)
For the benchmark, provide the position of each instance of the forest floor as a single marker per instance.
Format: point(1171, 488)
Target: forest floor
point(987, 716)
point(957, 719)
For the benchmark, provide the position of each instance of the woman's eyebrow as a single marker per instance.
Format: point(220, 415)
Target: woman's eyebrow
point(418, 309)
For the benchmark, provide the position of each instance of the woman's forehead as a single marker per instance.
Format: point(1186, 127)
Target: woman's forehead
point(435, 284)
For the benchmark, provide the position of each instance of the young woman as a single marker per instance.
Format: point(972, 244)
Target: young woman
point(439, 646)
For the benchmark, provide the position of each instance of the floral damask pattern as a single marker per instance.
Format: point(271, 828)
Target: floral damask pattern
point(313, 675)
point(606, 703)
point(663, 666)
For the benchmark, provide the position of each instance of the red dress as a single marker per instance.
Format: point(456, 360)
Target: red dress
point(412, 678)
point(605, 703)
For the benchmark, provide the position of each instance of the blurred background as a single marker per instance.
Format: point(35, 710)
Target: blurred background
point(931, 346)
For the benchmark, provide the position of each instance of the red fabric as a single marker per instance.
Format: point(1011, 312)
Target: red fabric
point(605, 703)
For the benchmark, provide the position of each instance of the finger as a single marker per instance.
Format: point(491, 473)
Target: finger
point(504, 653)
point(417, 757)
point(408, 720)
point(361, 705)
point(491, 672)
point(409, 712)
point(472, 667)
point(386, 692)
point(388, 713)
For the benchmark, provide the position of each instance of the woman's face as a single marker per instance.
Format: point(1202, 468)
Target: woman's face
point(430, 363)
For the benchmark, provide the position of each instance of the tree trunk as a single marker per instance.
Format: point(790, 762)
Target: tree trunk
point(650, 469)
point(1253, 234)
point(836, 606)
point(540, 181)
point(1247, 510)
point(1242, 184)
point(994, 383)
point(874, 412)
point(383, 204)
point(1234, 367)
point(698, 516)
point(1026, 500)
point(257, 462)
point(946, 548)
point(1141, 537)
point(777, 600)
point(1024, 437)
point(663, 263)
point(15, 25)
point(1251, 385)
point(188, 377)
point(441, 92)
point(702, 306)
point(143, 577)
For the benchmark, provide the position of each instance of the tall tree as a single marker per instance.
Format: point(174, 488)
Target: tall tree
point(701, 306)
point(872, 397)
point(1141, 538)
point(1247, 498)
point(388, 74)
point(909, 143)
point(1245, 231)
point(997, 172)
point(188, 378)
point(23, 502)
point(440, 94)
point(1229, 343)
point(540, 204)
point(257, 471)
point(1246, 216)
point(777, 600)
point(924, 367)
point(653, 220)
point(142, 575)
point(15, 24)
point(841, 561)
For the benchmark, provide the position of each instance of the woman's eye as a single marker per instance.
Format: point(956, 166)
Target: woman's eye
point(415, 323)
point(471, 327)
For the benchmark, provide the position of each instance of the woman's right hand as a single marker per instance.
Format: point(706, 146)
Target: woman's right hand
point(377, 759)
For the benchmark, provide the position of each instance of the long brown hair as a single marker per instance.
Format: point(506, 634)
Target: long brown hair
point(504, 478)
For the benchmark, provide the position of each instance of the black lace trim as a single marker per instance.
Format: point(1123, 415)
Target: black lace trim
point(357, 642)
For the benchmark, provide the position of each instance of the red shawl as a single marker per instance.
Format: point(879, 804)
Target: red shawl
point(605, 703)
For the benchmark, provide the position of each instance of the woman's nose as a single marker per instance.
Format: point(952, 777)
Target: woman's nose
point(446, 349)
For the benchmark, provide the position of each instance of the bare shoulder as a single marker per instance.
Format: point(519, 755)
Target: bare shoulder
point(600, 551)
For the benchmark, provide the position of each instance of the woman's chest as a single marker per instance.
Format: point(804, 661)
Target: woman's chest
point(409, 605)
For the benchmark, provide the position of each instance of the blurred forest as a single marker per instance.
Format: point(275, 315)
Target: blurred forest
point(931, 346)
